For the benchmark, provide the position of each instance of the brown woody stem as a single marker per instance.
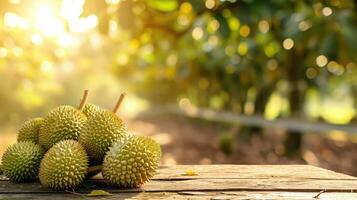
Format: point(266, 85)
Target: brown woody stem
point(94, 169)
point(120, 100)
point(83, 100)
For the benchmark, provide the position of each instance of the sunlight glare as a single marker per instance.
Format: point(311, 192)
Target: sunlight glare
point(11, 19)
point(36, 39)
point(3, 52)
point(47, 67)
point(71, 9)
point(66, 40)
point(46, 23)
point(83, 24)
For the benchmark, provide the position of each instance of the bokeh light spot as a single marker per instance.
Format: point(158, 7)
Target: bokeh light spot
point(321, 60)
point(263, 26)
point(327, 11)
point(210, 4)
point(288, 43)
point(186, 7)
point(243, 48)
point(197, 33)
point(3, 52)
point(311, 73)
point(233, 23)
point(244, 31)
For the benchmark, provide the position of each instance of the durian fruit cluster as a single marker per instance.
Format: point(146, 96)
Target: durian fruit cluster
point(71, 144)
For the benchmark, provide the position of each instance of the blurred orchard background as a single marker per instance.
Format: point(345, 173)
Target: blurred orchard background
point(283, 74)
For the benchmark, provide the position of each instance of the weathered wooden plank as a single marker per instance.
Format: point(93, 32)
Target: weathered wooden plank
point(241, 195)
point(290, 182)
point(243, 172)
point(249, 172)
point(276, 184)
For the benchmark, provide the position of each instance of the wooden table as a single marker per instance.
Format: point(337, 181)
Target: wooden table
point(212, 182)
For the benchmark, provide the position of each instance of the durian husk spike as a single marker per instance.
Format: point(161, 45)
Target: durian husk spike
point(120, 100)
point(83, 100)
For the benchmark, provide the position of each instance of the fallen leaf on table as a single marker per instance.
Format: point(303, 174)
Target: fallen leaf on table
point(95, 193)
point(190, 172)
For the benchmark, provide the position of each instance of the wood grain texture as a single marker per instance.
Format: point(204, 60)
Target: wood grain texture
point(201, 185)
point(212, 182)
point(240, 195)
point(249, 172)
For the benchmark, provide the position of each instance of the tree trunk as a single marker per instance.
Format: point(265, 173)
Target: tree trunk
point(294, 138)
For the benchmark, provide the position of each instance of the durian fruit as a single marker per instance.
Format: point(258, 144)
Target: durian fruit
point(64, 166)
point(100, 132)
point(21, 161)
point(91, 110)
point(61, 123)
point(29, 130)
point(131, 162)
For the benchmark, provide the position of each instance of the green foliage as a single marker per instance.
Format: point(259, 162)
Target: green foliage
point(210, 49)
point(228, 55)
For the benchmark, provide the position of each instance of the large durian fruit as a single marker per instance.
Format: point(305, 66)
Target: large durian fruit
point(61, 123)
point(91, 110)
point(101, 130)
point(29, 130)
point(131, 161)
point(64, 166)
point(21, 161)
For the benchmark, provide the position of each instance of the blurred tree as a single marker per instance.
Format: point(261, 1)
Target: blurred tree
point(223, 54)
point(233, 54)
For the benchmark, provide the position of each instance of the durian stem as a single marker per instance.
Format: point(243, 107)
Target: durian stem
point(120, 100)
point(83, 100)
point(94, 169)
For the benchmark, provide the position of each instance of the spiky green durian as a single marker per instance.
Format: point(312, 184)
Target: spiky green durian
point(99, 133)
point(29, 130)
point(64, 166)
point(61, 123)
point(131, 162)
point(21, 161)
point(91, 110)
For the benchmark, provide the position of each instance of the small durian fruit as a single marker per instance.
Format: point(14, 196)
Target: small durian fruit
point(21, 161)
point(64, 166)
point(101, 130)
point(131, 161)
point(62, 123)
point(91, 110)
point(29, 130)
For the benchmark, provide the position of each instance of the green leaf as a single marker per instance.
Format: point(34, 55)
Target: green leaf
point(163, 5)
point(96, 193)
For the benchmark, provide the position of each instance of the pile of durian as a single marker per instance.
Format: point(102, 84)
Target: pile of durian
point(71, 144)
